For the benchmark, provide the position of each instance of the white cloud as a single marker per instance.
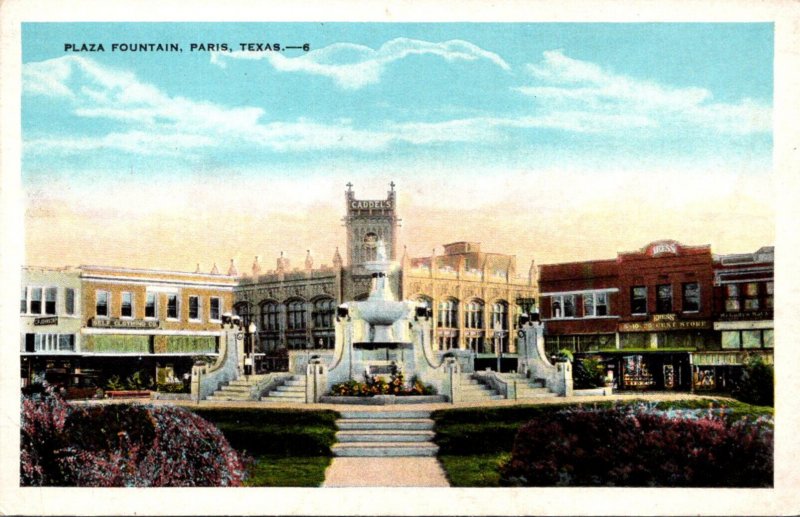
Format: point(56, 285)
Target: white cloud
point(572, 86)
point(354, 66)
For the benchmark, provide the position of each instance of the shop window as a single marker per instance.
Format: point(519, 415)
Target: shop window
point(36, 300)
point(448, 314)
point(731, 340)
point(639, 300)
point(296, 314)
point(194, 308)
point(664, 298)
point(691, 297)
point(23, 301)
point(50, 300)
point(474, 315)
point(172, 306)
point(150, 307)
point(769, 338)
point(69, 301)
point(126, 308)
point(751, 339)
point(214, 308)
point(101, 303)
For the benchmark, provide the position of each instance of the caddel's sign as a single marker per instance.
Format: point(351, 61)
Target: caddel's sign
point(664, 322)
point(372, 204)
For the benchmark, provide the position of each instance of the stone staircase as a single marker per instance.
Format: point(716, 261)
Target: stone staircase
point(237, 390)
point(528, 388)
point(405, 433)
point(293, 390)
point(472, 390)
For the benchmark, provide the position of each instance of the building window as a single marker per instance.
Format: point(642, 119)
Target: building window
point(172, 306)
point(66, 343)
point(474, 315)
point(323, 313)
point(126, 309)
point(751, 289)
point(751, 292)
point(296, 315)
point(242, 309)
point(270, 316)
point(748, 339)
point(36, 300)
point(448, 314)
point(732, 299)
point(500, 327)
point(595, 304)
point(663, 298)
point(23, 301)
point(563, 306)
point(69, 301)
point(194, 308)
point(50, 295)
point(370, 247)
point(639, 300)
point(751, 304)
point(151, 307)
point(214, 308)
point(751, 339)
point(101, 303)
point(691, 297)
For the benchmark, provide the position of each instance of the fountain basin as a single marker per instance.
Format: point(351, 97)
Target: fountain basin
point(381, 312)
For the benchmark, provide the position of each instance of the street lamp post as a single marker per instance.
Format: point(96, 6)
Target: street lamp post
point(248, 349)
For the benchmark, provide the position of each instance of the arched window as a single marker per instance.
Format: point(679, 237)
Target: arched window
point(242, 309)
point(448, 314)
point(323, 311)
point(500, 326)
point(474, 315)
point(296, 315)
point(270, 316)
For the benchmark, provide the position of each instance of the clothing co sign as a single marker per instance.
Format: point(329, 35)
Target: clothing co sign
point(123, 324)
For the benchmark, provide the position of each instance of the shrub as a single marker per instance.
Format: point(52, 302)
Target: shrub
point(588, 373)
point(757, 384)
point(621, 447)
point(374, 385)
point(172, 387)
point(122, 445)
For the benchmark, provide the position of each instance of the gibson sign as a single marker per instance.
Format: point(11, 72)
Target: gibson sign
point(664, 322)
point(123, 324)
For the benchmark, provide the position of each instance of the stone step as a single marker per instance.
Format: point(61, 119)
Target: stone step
point(226, 398)
point(481, 398)
point(370, 415)
point(235, 389)
point(287, 394)
point(292, 389)
point(301, 382)
point(388, 449)
point(284, 400)
point(475, 387)
point(384, 436)
point(393, 424)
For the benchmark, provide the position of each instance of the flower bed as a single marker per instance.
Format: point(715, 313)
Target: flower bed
point(375, 385)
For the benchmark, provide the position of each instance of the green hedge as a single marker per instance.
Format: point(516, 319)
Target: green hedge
point(118, 343)
point(281, 432)
point(191, 344)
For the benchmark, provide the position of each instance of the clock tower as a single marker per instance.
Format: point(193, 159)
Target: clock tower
point(369, 221)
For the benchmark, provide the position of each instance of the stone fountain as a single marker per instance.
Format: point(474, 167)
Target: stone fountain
point(382, 334)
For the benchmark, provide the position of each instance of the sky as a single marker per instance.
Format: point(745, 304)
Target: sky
point(553, 142)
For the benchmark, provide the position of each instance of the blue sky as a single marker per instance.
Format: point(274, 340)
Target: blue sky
point(413, 102)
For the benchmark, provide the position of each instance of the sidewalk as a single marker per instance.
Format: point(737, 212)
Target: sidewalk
point(388, 472)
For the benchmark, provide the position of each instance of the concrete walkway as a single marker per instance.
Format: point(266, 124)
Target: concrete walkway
point(359, 472)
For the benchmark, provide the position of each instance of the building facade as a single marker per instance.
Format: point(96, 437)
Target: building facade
point(662, 317)
point(474, 296)
point(92, 320)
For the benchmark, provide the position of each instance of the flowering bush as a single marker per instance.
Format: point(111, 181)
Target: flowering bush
point(636, 447)
point(122, 445)
point(757, 384)
point(374, 385)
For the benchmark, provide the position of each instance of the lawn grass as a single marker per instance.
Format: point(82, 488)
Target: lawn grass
point(287, 471)
point(475, 470)
point(288, 447)
point(473, 442)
